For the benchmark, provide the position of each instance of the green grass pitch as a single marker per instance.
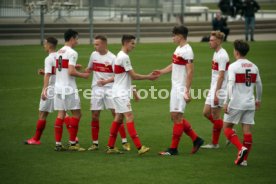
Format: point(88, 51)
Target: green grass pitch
point(19, 96)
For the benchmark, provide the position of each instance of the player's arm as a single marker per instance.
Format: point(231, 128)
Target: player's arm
point(189, 78)
point(73, 72)
point(229, 92)
point(218, 87)
point(103, 82)
point(163, 71)
point(45, 85)
point(137, 76)
point(259, 92)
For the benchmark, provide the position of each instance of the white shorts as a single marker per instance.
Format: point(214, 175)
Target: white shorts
point(210, 99)
point(177, 102)
point(122, 104)
point(101, 98)
point(236, 116)
point(66, 102)
point(46, 105)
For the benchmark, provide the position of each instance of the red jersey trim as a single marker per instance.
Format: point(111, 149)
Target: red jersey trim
point(53, 70)
point(179, 60)
point(65, 63)
point(119, 69)
point(215, 66)
point(98, 67)
point(241, 78)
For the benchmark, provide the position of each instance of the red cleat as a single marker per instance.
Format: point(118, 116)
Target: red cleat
point(32, 141)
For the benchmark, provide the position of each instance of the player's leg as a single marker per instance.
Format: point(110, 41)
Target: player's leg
point(95, 128)
point(247, 123)
point(217, 126)
point(40, 126)
point(133, 133)
point(122, 131)
point(113, 133)
point(59, 130)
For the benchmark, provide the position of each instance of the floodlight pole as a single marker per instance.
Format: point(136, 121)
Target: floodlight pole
point(138, 26)
point(91, 12)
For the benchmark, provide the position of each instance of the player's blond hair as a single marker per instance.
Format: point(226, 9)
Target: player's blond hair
point(219, 35)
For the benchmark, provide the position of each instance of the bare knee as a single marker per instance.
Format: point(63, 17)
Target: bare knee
point(176, 117)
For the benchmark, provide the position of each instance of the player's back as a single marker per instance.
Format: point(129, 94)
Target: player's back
point(244, 74)
point(65, 84)
point(50, 67)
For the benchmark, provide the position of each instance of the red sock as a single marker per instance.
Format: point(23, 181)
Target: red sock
point(218, 124)
point(211, 118)
point(247, 142)
point(232, 137)
point(177, 133)
point(58, 129)
point(188, 130)
point(113, 133)
point(40, 125)
point(122, 131)
point(66, 121)
point(73, 128)
point(95, 128)
point(133, 134)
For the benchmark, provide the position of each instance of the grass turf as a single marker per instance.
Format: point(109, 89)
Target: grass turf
point(20, 91)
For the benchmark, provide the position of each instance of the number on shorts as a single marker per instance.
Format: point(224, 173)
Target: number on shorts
point(247, 78)
point(60, 63)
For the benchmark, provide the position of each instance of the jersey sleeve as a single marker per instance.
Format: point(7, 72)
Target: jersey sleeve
point(222, 62)
point(73, 57)
point(48, 65)
point(127, 64)
point(188, 55)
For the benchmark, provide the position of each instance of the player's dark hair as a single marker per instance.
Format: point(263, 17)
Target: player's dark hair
point(101, 37)
point(53, 41)
point(70, 33)
point(127, 38)
point(241, 46)
point(182, 30)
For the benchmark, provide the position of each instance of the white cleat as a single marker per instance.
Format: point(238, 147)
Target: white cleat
point(244, 163)
point(210, 146)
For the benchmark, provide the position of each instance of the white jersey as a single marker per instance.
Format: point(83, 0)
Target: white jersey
point(101, 66)
point(65, 84)
point(244, 74)
point(50, 67)
point(122, 80)
point(182, 56)
point(220, 62)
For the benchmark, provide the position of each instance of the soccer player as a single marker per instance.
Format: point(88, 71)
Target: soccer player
point(46, 104)
point(216, 95)
point(182, 73)
point(66, 94)
point(124, 74)
point(240, 103)
point(101, 62)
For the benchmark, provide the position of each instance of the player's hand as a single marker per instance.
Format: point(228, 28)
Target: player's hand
point(78, 66)
point(44, 95)
point(85, 75)
point(40, 72)
point(225, 108)
point(187, 97)
point(258, 105)
point(136, 96)
point(153, 77)
point(156, 72)
point(101, 82)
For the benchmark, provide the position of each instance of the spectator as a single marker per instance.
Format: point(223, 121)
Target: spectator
point(219, 24)
point(250, 7)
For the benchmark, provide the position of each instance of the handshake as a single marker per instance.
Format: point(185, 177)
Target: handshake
point(154, 75)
